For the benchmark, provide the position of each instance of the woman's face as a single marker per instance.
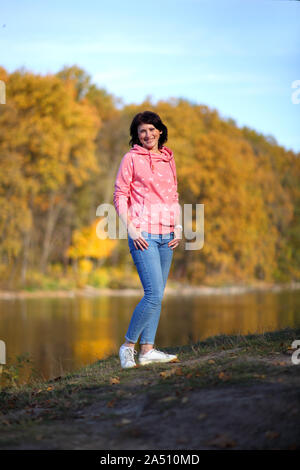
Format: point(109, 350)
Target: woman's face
point(149, 136)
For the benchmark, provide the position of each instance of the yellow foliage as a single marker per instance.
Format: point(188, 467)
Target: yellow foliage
point(85, 266)
point(59, 132)
point(86, 244)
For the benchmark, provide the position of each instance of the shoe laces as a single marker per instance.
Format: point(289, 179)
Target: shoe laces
point(129, 353)
point(158, 351)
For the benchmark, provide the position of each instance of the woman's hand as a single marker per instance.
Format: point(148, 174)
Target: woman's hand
point(138, 240)
point(177, 238)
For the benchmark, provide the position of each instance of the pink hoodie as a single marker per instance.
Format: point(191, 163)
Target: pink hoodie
point(146, 186)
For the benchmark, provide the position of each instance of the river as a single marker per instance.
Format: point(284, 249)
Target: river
point(62, 334)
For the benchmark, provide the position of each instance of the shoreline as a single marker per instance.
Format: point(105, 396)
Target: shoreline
point(180, 289)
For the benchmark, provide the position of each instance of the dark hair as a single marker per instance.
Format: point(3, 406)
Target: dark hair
point(147, 117)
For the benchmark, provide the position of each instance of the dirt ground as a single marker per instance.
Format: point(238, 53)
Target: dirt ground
point(163, 407)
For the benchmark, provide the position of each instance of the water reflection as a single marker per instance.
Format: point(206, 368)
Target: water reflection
point(62, 334)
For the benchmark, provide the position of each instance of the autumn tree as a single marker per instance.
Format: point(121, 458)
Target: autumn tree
point(50, 136)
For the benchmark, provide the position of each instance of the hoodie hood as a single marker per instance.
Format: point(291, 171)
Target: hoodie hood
point(166, 155)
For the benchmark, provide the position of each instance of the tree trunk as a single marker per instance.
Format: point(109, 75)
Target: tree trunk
point(53, 213)
point(27, 242)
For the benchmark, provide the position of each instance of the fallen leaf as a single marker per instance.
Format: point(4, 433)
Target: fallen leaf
point(114, 380)
point(222, 440)
point(47, 402)
point(184, 399)
point(166, 399)
point(272, 434)
point(293, 447)
point(49, 388)
point(224, 376)
point(259, 376)
point(211, 361)
point(167, 373)
point(111, 403)
point(188, 376)
point(201, 415)
point(125, 421)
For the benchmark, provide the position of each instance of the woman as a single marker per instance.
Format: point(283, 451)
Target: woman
point(146, 200)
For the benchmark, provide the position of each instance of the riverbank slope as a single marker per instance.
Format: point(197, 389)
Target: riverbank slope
point(238, 392)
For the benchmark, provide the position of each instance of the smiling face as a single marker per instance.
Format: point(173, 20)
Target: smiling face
point(149, 136)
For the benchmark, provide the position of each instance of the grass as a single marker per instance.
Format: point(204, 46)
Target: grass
point(101, 372)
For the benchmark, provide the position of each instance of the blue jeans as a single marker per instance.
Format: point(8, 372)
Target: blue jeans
point(153, 266)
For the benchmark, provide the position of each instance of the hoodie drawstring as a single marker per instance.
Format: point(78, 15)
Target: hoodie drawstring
point(151, 164)
point(138, 149)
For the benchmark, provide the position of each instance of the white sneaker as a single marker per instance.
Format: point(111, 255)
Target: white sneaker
point(126, 354)
point(155, 356)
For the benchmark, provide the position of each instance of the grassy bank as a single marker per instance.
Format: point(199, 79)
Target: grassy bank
point(224, 392)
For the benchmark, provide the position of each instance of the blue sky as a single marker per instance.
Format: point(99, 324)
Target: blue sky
point(237, 56)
